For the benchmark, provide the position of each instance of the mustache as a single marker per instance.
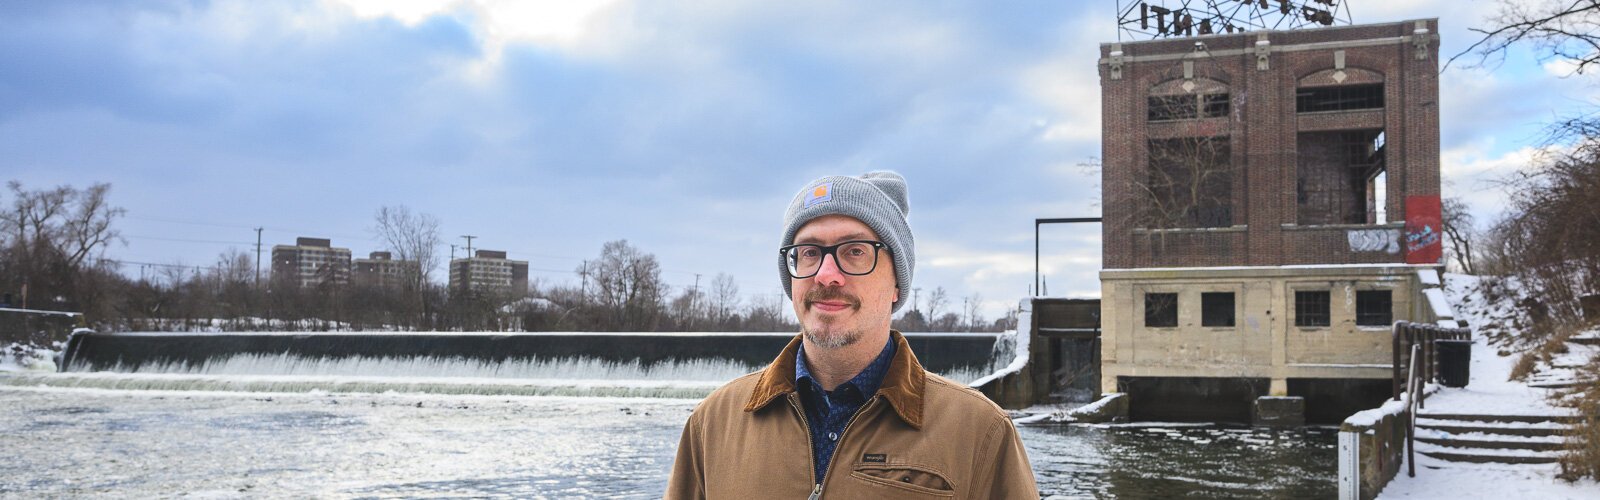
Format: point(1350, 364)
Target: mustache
point(832, 295)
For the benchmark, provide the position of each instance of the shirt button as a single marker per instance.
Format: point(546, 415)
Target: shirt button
point(833, 436)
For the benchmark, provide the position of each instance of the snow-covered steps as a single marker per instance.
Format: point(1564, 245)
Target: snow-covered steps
point(1530, 418)
point(1508, 428)
point(1488, 456)
point(1502, 439)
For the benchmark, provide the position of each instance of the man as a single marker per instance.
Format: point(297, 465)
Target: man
point(846, 411)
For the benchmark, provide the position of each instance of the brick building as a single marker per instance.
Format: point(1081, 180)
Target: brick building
point(1271, 204)
point(311, 262)
point(489, 271)
point(381, 270)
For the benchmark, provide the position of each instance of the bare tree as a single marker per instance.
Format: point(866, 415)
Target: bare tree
point(972, 306)
point(1558, 30)
point(937, 299)
point(1553, 231)
point(724, 297)
point(1190, 184)
point(412, 236)
point(628, 287)
point(1459, 234)
point(52, 236)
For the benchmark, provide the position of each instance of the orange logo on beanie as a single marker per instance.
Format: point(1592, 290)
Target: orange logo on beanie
point(823, 192)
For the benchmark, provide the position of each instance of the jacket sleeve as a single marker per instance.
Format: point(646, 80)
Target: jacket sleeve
point(687, 481)
point(1009, 473)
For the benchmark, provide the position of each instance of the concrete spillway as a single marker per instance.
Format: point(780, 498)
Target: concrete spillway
point(631, 364)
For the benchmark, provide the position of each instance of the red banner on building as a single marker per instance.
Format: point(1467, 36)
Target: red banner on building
point(1424, 239)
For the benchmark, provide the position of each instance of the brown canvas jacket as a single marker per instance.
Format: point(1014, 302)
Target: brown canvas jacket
point(921, 436)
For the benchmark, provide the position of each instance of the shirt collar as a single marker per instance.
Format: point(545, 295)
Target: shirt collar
point(866, 383)
point(903, 384)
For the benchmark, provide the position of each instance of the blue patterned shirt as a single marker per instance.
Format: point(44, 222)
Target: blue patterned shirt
point(829, 412)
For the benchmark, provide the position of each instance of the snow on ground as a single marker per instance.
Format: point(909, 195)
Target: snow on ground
point(17, 357)
point(1488, 482)
point(1489, 391)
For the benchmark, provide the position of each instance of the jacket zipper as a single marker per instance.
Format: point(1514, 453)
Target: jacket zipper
point(817, 493)
point(811, 456)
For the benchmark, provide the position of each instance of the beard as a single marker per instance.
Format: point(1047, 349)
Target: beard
point(828, 335)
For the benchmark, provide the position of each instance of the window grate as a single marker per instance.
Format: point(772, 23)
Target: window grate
point(1311, 308)
point(1374, 308)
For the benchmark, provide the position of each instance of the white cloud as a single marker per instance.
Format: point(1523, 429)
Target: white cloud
point(1069, 84)
point(1473, 174)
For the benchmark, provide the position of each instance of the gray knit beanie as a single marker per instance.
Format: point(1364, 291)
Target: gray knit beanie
point(877, 199)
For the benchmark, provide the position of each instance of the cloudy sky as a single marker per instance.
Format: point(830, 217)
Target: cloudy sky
point(549, 128)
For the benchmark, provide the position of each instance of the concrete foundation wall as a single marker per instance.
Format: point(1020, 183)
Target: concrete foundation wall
point(1264, 343)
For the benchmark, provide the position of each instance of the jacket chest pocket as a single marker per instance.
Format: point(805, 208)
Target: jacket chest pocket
point(919, 481)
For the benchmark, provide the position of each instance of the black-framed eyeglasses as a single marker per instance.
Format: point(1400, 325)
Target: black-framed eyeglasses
point(855, 257)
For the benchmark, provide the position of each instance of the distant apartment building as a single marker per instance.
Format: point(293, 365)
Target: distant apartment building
point(381, 270)
point(311, 262)
point(486, 271)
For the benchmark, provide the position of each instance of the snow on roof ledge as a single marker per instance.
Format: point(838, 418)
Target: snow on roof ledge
point(1441, 305)
point(1428, 277)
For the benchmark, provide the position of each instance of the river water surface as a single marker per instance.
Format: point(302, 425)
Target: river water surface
point(138, 444)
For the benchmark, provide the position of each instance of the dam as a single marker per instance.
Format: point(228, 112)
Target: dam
point(681, 365)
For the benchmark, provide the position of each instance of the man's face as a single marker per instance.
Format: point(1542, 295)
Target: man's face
point(837, 309)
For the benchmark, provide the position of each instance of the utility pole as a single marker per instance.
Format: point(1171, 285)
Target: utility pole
point(466, 271)
point(694, 295)
point(914, 291)
point(258, 259)
point(583, 297)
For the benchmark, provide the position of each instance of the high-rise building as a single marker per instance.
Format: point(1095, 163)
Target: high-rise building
point(311, 262)
point(488, 271)
point(1271, 207)
point(381, 270)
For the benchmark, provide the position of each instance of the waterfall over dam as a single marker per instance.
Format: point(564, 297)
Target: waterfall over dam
point(542, 363)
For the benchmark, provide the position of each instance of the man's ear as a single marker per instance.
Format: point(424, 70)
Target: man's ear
point(896, 294)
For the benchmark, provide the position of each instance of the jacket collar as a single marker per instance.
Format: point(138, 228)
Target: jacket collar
point(902, 387)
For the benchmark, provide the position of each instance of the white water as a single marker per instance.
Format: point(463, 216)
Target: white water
point(582, 376)
point(714, 370)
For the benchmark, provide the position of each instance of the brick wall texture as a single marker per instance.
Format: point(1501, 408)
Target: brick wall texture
point(1264, 133)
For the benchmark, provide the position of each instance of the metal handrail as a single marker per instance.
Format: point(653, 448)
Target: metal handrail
point(1416, 394)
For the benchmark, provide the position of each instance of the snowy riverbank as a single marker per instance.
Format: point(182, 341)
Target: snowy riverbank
point(1491, 391)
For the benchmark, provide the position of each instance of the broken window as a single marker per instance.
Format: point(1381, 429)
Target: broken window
point(1216, 309)
point(1311, 308)
point(1190, 183)
point(1161, 309)
point(1340, 177)
point(1186, 107)
point(1214, 105)
point(1340, 98)
point(1374, 308)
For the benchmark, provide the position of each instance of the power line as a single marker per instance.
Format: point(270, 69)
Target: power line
point(247, 227)
point(186, 240)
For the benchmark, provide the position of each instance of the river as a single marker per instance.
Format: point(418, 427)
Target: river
point(59, 442)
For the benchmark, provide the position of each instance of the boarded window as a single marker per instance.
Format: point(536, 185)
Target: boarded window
point(1339, 177)
point(1340, 98)
point(1216, 309)
point(1186, 107)
point(1311, 308)
point(1190, 183)
point(1161, 309)
point(1374, 308)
